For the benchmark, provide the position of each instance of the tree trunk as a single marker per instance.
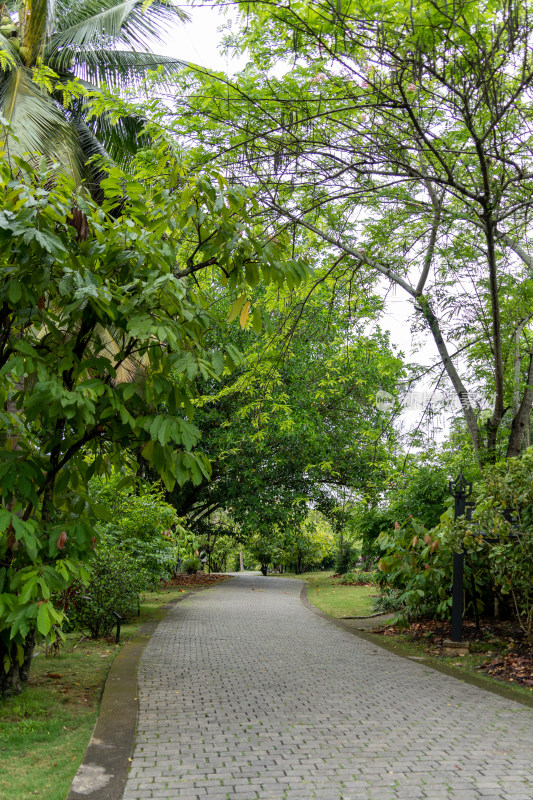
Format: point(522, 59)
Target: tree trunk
point(493, 424)
point(517, 362)
point(452, 373)
point(520, 424)
point(15, 679)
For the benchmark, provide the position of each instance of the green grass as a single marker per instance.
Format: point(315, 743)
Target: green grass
point(327, 594)
point(44, 731)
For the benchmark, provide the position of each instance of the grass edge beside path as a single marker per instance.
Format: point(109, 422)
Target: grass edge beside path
point(45, 731)
point(335, 599)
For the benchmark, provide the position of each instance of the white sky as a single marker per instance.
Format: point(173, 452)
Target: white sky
point(198, 41)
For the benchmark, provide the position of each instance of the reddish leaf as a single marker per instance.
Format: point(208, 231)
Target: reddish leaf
point(62, 540)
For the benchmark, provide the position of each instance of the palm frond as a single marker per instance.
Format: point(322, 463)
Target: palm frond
point(91, 147)
point(37, 123)
point(114, 67)
point(122, 138)
point(131, 23)
point(89, 143)
point(131, 369)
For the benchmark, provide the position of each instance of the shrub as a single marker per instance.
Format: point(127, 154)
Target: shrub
point(141, 522)
point(116, 581)
point(360, 577)
point(345, 558)
point(389, 601)
point(507, 493)
point(191, 565)
point(417, 563)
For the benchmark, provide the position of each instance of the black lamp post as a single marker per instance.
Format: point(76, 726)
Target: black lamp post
point(461, 491)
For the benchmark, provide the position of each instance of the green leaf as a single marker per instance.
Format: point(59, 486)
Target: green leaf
point(256, 320)
point(44, 623)
point(236, 308)
point(14, 291)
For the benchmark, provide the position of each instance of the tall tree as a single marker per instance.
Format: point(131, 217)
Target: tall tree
point(399, 137)
point(298, 421)
point(68, 407)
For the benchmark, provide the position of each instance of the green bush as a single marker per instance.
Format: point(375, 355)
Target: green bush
point(360, 577)
point(140, 522)
point(345, 558)
point(115, 584)
point(191, 565)
point(389, 602)
point(417, 564)
point(507, 493)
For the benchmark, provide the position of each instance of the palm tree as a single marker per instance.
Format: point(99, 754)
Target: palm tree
point(94, 40)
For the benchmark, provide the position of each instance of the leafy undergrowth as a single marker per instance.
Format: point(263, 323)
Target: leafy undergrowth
point(329, 594)
point(497, 649)
point(44, 731)
point(359, 578)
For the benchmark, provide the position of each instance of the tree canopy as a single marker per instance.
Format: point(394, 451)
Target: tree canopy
point(399, 138)
point(297, 422)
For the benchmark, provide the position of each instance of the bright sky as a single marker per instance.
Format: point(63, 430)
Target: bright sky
point(198, 41)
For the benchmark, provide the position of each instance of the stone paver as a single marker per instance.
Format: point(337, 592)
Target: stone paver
point(246, 694)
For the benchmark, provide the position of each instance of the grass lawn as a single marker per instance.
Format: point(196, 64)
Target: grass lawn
point(44, 731)
point(327, 594)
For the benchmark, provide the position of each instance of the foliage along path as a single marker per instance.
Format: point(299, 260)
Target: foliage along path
point(246, 693)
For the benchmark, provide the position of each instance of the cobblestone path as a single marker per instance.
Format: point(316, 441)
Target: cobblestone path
point(245, 693)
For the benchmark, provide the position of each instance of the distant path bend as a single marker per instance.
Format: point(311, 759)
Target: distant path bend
point(245, 694)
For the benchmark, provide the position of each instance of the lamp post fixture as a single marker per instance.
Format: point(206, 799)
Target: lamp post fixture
point(461, 491)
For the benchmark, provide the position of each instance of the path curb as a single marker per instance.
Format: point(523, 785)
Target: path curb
point(104, 770)
point(473, 680)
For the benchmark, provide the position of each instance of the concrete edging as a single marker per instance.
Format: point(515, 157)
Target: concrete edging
point(104, 770)
point(446, 669)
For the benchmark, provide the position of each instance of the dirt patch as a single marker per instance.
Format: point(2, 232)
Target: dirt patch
point(200, 579)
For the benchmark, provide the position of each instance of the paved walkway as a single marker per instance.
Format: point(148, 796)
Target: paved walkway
point(245, 693)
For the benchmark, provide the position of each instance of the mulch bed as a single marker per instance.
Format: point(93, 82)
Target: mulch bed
point(508, 656)
point(200, 579)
